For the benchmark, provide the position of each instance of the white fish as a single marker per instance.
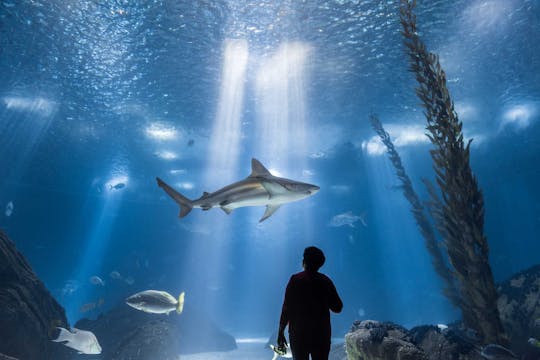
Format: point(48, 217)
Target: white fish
point(70, 287)
point(9, 208)
point(347, 218)
point(96, 280)
point(115, 275)
point(277, 355)
point(129, 280)
point(85, 342)
point(497, 352)
point(156, 302)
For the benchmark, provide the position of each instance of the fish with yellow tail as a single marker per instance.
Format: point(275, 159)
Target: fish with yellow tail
point(156, 302)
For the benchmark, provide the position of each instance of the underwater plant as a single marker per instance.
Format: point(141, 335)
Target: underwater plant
point(461, 203)
point(427, 231)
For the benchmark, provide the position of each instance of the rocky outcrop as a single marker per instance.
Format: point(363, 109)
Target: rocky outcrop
point(337, 352)
point(519, 307)
point(5, 357)
point(28, 312)
point(373, 340)
point(125, 333)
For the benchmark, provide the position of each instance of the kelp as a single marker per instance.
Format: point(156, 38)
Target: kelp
point(461, 204)
point(422, 220)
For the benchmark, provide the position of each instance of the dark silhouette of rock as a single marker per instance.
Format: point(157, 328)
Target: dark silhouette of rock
point(5, 357)
point(519, 307)
point(125, 333)
point(28, 312)
point(373, 340)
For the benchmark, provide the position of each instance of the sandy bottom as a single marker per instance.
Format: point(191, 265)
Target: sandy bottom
point(248, 350)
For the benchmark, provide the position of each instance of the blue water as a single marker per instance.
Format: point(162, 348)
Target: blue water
point(99, 93)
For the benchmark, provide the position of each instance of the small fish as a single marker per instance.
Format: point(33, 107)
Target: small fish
point(497, 352)
point(70, 287)
point(117, 186)
point(190, 142)
point(96, 280)
point(534, 342)
point(85, 342)
point(280, 354)
point(9, 209)
point(129, 280)
point(156, 302)
point(87, 307)
point(347, 219)
point(115, 275)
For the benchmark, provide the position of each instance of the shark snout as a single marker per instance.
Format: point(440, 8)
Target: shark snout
point(313, 190)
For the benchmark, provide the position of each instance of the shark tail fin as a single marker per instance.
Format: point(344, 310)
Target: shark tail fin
point(185, 204)
point(180, 306)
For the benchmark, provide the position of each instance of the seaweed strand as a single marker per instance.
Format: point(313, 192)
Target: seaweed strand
point(437, 258)
point(462, 212)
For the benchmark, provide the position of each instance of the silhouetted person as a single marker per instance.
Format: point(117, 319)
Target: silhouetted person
point(309, 298)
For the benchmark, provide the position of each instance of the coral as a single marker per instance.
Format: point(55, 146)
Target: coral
point(461, 205)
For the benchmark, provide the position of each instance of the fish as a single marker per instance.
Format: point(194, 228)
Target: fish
point(9, 209)
point(497, 352)
point(534, 342)
point(115, 275)
point(70, 287)
point(87, 307)
point(117, 186)
point(85, 342)
point(347, 219)
point(260, 188)
point(92, 305)
point(96, 280)
point(280, 354)
point(156, 302)
point(129, 280)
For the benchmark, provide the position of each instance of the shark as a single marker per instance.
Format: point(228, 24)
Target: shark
point(260, 188)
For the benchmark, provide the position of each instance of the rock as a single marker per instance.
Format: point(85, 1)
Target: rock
point(28, 312)
point(338, 352)
point(373, 340)
point(448, 344)
point(5, 357)
point(125, 333)
point(519, 307)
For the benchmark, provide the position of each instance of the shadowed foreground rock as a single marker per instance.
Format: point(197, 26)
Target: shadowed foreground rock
point(373, 340)
point(518, 303)
point(125, 333)
point(5, 357)
point(28, 312)
point(519, 308)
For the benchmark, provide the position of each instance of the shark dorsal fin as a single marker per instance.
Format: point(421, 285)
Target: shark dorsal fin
point(258, 169)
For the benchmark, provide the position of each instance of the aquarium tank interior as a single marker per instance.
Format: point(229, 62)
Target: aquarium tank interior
point(196, 148)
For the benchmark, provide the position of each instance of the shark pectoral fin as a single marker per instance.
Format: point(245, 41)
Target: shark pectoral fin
point(270, 209)
point(227, 210)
